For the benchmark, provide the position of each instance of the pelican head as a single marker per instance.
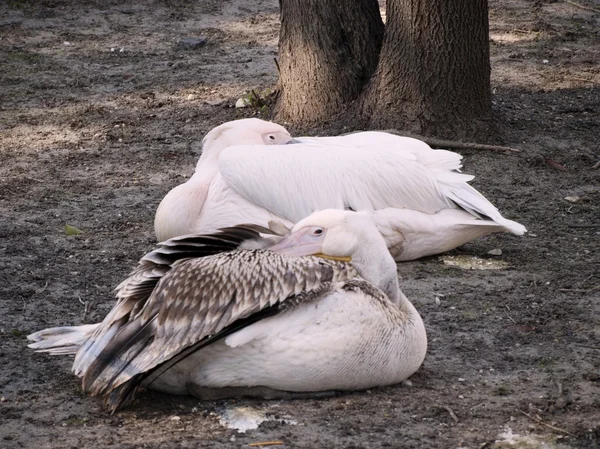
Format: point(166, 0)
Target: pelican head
point(345, 236)
point(247, 131)
point(331, 234)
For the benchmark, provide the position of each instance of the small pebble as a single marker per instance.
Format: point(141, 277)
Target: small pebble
point(242, 103)
point(220, 102)
point(460, 379)
point(573, 199)
point(460, 396)
point(192, 42)
point(175, 418)
point(495, 252)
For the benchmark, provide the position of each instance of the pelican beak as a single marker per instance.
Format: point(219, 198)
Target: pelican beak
point(338, 258)
point(304, 243)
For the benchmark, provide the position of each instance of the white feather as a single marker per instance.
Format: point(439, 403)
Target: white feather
point(63, 340)
point(356, 332)
point(293, 181)
point(255, 182)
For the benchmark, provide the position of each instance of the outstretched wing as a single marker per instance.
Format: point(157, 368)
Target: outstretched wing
point(195, 301)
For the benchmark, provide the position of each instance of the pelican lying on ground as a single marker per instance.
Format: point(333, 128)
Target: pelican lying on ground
point(253, 322)
point(246, 174)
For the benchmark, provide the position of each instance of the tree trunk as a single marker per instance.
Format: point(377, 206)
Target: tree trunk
point(328, 51)
point(433, 76)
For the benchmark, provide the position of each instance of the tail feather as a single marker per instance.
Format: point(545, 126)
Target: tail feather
point(442, 161)
point(469, 199)
point(63, 340)
point(411, 234)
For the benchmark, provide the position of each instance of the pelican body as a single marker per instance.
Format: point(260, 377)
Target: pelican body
point(250, 173)
point(220, 315)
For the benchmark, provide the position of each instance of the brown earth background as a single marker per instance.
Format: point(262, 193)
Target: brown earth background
point(101, 113)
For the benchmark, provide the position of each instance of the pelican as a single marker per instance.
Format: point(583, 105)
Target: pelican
point(248, 174)
point(319, 311)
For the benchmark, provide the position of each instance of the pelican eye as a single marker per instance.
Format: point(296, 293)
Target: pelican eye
point(318, 231)
point(272, 137)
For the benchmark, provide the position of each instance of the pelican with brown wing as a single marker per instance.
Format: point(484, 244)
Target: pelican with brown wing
point(233, 314)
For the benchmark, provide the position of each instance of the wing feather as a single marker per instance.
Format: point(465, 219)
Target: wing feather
point(319, 175)
point(196, 299)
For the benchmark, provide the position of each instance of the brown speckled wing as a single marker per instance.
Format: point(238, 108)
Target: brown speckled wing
point(154, 265)
point(196, 299)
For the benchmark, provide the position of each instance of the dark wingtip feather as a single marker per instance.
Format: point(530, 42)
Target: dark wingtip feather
point(101, 374)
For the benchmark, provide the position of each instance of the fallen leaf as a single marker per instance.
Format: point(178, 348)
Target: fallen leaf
point(72, 230)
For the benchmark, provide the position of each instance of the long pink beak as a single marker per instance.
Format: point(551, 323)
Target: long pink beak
point(300, 243)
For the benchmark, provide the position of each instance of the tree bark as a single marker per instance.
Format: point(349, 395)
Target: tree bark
point(328, 51)
point(433, 76)
point(432, 72)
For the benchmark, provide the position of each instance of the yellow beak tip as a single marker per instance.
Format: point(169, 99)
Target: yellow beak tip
point(338, 258)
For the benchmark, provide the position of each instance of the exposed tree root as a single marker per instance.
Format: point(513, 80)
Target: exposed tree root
point(579, 5)
point(454, 144)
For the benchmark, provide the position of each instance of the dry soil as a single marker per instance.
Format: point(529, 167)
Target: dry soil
point(101, 114)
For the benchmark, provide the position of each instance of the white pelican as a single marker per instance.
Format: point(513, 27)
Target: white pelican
point(253, 322)
point(423, 203)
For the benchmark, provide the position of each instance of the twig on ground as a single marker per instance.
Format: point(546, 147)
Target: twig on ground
point(452, 414)
point(525, 31)
point(553, 163)
point(509, 317)
point(579, 290)
point(43, 289)
point(266, 443)
point(584, 226)
point(597, 348)
point(86, 309)
point(33, 179)
point(550, 426)
point(579, 78)
point(579, 5)
point(596, 165)
point(277, 65)
point(476, 406)
point(12, 192)
point(455, 144)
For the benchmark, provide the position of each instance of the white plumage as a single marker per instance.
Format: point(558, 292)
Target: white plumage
point(423, 204)
point(199, 317)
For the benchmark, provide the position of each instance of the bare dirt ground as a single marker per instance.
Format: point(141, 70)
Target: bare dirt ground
point(101, 114)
